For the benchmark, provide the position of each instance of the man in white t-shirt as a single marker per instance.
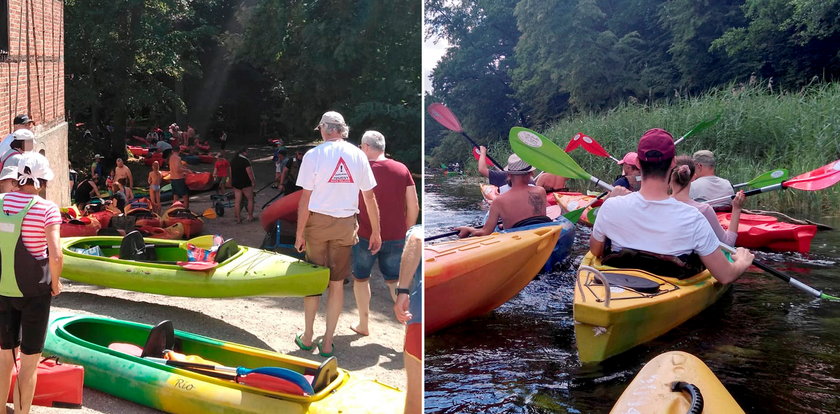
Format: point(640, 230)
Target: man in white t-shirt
point(706, 185)
point(651, 221)
point(23, 140)
point(331, 175)
point(22, 121)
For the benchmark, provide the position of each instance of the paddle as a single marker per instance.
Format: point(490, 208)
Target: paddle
point(818, 179)
point(544, 154)
point(451, 233)
point(574, 215)
point(768, 178)
point(477, 155)
point(793, 282)
point(699, 127)
point(278, 372)
point(590, 145)
point(440, 113)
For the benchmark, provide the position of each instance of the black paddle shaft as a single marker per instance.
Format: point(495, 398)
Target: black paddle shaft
point(476, 145)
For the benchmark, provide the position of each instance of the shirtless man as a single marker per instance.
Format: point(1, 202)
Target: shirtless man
point(177, 172)
point(522, 202)
point(551, 182)
point(123, 174)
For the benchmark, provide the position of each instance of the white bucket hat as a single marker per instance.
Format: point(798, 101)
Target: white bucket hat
point(35, 166)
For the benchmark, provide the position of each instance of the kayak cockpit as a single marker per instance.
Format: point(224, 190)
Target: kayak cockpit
point(152, 251)
point(115, 339)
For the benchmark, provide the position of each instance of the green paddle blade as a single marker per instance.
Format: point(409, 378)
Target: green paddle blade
point(592, 215)
point(574, 215)
point(769, 178)
point(544, 154)
point(699, 127)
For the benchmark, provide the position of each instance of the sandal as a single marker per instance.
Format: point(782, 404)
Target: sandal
point(299, 343)
point(325, 354)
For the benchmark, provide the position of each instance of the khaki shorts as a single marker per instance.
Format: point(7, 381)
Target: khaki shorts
point(329, 242)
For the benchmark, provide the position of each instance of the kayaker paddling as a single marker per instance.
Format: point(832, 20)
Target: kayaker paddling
point(680, 182)
point(523, 204)
point(31, 265)
point(660, 224)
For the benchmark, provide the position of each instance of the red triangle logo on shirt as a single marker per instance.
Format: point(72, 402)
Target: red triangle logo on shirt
point(341, 174)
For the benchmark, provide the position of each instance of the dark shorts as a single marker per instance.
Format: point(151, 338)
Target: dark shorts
point(241, 185)
point(23, 322)
point(389, 259)
point(179, 187)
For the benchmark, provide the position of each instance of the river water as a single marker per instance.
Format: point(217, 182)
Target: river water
point(775, 349)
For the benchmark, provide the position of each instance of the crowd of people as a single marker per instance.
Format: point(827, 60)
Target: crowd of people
point(657, 209)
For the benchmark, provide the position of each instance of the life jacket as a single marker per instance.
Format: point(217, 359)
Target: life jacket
point(21, 274)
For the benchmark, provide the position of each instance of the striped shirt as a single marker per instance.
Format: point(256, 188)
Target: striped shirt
point(43, 213)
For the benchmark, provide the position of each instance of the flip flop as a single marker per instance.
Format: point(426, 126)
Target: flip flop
point(299, 343)
point(325, 354)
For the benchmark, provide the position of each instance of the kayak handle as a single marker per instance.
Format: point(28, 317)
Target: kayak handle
point(693, 391)
point(596, 274)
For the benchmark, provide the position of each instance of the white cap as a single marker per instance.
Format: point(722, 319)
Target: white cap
point(331, 117)
point(97, 156)
point(9, 173)
point(34, 165)
point(24, 135)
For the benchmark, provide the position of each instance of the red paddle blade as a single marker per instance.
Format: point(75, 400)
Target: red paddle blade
point(198, 266)
point(439, 112)
point(477, 155)
point(592, 146)
point(818, 179)
point(574, 142)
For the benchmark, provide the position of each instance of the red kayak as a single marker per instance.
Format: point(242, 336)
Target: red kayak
point(758, 231)
point(104, 217)
point(284, 209)
point(206, 159)
point(138, 151)
point(144, 216)
point(83, 226)
point(157, 156)
point(58, 385)
point(193, 224)
point(202, 181)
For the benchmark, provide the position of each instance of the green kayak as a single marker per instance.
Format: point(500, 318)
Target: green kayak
point(241, 270)
point(121, 358)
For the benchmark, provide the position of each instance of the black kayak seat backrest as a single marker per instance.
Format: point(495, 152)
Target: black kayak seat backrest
point(161, 338)
point(325, 374)
point(639, 284)
point(133, 247)
point(226, 250)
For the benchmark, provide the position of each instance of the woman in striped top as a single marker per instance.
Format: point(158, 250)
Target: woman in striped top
point(30, 266)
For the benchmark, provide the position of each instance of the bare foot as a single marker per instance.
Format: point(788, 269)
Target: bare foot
point(358, 330)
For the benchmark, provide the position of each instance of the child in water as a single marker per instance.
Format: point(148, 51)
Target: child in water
point(155, 178)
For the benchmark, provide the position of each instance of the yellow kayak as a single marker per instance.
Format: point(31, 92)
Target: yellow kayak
point(651, 390)
point(470, 277)
point(611, 321)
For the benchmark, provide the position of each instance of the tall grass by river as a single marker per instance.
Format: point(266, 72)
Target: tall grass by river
point(759, 130)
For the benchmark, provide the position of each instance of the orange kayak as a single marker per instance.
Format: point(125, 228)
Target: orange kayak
point(144, 216)
point(193, 224)
point(572, 201)
point(470, 277)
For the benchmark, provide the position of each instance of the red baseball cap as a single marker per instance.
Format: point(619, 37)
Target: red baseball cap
point(655, 145)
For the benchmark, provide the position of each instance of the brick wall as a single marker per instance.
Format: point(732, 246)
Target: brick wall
point(32, 82)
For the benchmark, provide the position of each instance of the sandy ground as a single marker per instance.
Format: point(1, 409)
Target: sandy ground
point(265, 322)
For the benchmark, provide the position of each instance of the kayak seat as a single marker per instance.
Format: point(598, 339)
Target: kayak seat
point(133, 247)
point(226, 250)
point(325, 374)
point(636, 283)
point(161, 338)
